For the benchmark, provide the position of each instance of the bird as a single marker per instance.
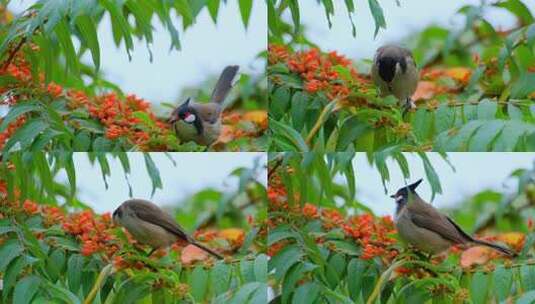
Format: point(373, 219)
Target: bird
point(395, 73)
point(150, 225)
point(418, 223)
point(201, 122)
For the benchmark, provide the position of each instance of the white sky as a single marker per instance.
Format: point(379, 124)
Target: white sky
point(193, 172)
point(410, 17)
point(474, 172)
point(206, 50)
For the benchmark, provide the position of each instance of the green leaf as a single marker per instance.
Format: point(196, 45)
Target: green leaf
point(16, 111)
point(306, 293)
point(9, 251)
point(245, 11)
point(284, 259)
point(486, 109)
point(63, 33)
point(355, 274)
point(514, 112)
point(280, 131)
point(298, 110)
point(509, 137)
point(213, 8)
point(431, 174)
point(378, 16)
point(524, 86)
point(352, 128)
point(199, 283)
point(479, 288)
point(26, 134)
point(526, 298)
point(154, 174)
point(483, 137)
point(421, 123)
point(12, 272)
point(519, 9)
point(185, 10)
point(26, 289)
point(55, 264)
point(221, 276)
point(75, 267)
point(296, 15)
point(280, 232)
point(120, 25)
point(503, 281)
point(527, 273)
point(260, 268)
point(279, 102)
point(88, 31)
point(245, 292)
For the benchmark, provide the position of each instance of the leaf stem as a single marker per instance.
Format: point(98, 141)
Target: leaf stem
point(333, 106)
point(104, 273)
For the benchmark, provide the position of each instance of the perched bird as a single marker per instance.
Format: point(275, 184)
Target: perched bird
point(395, 73)
point(421, 225)
point(152, 226)
point(201, 122)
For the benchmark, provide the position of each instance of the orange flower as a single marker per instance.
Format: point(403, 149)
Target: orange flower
point(30, 207)
point(119, 262)
point(54, 89)
point(317, 70)
point(310, 211)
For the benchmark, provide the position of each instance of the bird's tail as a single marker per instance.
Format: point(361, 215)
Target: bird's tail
point(224, 84)
point(210, 251)
point(501, 249)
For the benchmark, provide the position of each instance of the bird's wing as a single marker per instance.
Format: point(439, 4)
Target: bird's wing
point(209, 112)
point(149, 213)
point(224, 84)
point(425, 216)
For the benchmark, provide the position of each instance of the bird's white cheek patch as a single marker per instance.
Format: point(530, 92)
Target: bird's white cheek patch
point(399, 198)
point(190, 118)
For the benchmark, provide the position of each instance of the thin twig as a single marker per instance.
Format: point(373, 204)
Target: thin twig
point(12, 54)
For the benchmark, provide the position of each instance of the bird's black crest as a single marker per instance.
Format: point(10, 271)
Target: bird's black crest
point(404, 192)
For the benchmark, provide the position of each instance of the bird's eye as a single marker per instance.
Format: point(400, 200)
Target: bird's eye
point(399, 198)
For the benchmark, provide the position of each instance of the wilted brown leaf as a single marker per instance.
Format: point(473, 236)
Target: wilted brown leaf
point(477, 255)
point(425, 90)
point(191, 254)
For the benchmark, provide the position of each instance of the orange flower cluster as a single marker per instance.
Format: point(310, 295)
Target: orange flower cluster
point(373, 234)
point(310, 211)
point(115, 114)
point(12, 127)
point(316, 69)
point(30, 207)
point(118, 117)
point(94, 232)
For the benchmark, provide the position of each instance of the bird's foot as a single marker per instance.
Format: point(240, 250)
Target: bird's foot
point(409, 105)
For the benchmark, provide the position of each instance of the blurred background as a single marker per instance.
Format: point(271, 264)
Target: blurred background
point(206, 49)
point(402, 21)
point(472, 174)
point(192, 173)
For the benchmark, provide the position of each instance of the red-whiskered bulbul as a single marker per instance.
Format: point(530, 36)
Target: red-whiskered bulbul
point(150, 225)
point(395, 73)
point(421, 225)
point(201, 122)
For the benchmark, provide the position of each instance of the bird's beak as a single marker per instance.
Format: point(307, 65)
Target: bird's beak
point(173, 119)
point(393, 196)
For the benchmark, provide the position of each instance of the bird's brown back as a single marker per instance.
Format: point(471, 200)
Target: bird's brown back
point(426, 216)
point(149, 212)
